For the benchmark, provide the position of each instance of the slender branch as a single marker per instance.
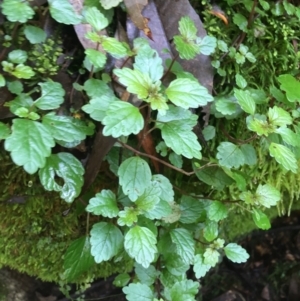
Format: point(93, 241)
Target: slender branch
point(239, 141)
point(170, 67)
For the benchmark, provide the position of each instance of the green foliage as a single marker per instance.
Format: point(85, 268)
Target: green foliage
point(149, 221)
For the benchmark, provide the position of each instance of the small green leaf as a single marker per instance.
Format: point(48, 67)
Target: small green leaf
point(210, 231)
point(22, 100)
point(35, 34)
point(66, 128)
point(22, 71)
point(187, 49)
point(209, 132)
point(284, 156)
point(185, 290)
point(191, 210)
point(95, 18)
point(160, 210)
point(63, 12)
point(288, 136)
point(67, 167)
point(148, 61)
point(230, 155)
point(186, 93)
point(200, 268)
point(97, 58)
point(15, 87)
point(97, 88)
point(128, 216)
point(185, 245)
point(217, 211)
point(278, 116)
point(158, 102)
point(30, 143)
point(145, 275)
point(128, 121)
point(78, 259)
point(207, 45)
point(148, 199)
point(17, 56)
point(240, 81)
point(176, 160)
point(291, 86)
point(249, 154)
point(17, 10)
point(52, 96)
point(135, 177)
point(267, 195)
point(187, 28)
point(106, 241)
point(226, 106)
point(240, 21)
point(165, 186)
point(136, 82)
point(2, 81)
point(4, 131)
point(122, 280)
point(104, 203)
point(245, 101)
point(260, 219)
point(236, 253)
point(107, 4)
point(114, 47)
point(261, 127)
point(138, 292)
point(211, 257)
point(140, 244)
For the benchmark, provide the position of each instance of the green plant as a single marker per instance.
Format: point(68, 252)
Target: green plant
point(155, 221)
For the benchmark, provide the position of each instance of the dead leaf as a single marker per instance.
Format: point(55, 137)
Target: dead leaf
point(134, 10)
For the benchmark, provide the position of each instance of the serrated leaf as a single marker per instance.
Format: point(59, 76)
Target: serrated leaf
point(78, 259)
point(278, 116)
point(240, 81)
point(148, 199)
point(135, 81)
point(176, 128)
point(104, 203)
point(191, 210)
point(230, 155)
point(160, 210)
point(187, 28)
point(121, 280)
point(261, 127)
point(114, 47)
point(67, 167)
point(185, 290)
point(284, 156)
point(165, 186)
point(211, 257)
point(249, 154)
point(260, 219)
point(209, 132)
point(67, 128)
point(138, 292)
point(187, 49)
point(128, 121)
point(267, 195)
point(97, 88)
point(245, 100)
point(17, 56)
point(211, 230)
point(236, 253)
point(4, 130)
point(34, 34)
point(30, 143)
point(200, 268)
point(187, 93)
point(98, 106)
point(140, 244)
point(128, 216)
point(95, 18)
point(97, 58)
point(63, 12)
point(185, 245)
point(52, 96)
point(226, 106)
point(106, 241)
point(17, 10)
point(291, 86)
point(288, 136)
point(217, 211)
point(145, 275)
point(135, 177)
point(207, 45)
point(22, 100)
point(148, 61)
point(22, 71)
